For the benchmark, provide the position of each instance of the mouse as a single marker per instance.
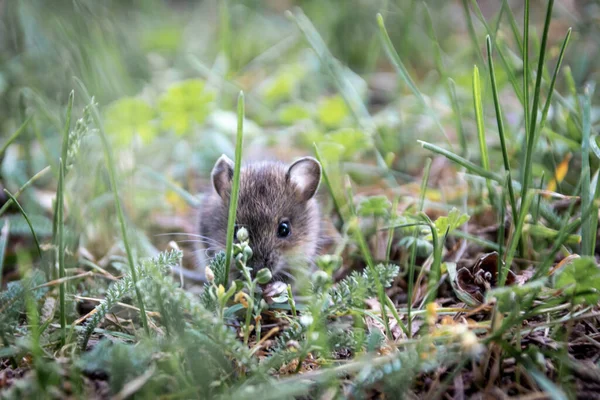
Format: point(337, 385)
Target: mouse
point(276, 205)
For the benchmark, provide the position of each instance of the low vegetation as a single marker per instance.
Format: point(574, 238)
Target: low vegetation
point(460, 155)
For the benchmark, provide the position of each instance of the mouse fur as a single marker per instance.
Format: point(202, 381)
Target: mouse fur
point(271, 192)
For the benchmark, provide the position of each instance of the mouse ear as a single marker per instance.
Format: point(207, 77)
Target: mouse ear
point(221, 175)
point(305, 174)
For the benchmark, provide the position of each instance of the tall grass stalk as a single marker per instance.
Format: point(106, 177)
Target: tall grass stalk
point(516, 237)
point(500, 123)
point(448, 82)
point(478, 105)
point(458, 118)
point(471, 29)
point(233, 199)
point(435, 272)
point(390, 241)
point(334, 198)
point(536, 98)
point(364, 248)
point(110, 164)
point(58, 222)
point(60, 248)
point(525, 56)
point(468, 165)
point(413, 249)
point(553, 81)
point(588, 233)
point(347, 90)
point(507, 67)
point(405, 76)
point(24, 214)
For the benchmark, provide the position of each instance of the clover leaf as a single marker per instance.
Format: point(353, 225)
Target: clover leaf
point(449, 223)
point(581, 279)
point(377, 206)
point(185, 104)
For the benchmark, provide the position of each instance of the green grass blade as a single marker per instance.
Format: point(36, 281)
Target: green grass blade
point(588, 237)
point(355, 230)
point(347, 90)
point(513, 24)
point(553, 81)
point(471, 29)
point(507, 67)
point(500, 123)
point(477, 103)
point(233, 199)
point(4, 233)
point(526, 73)
point(413, 248)
point(460, 130)
point(110, 164)
point(25, 186)
point(516, 237)
point(24, 214)
point(390, 241)
point(536, 98)
point(14, 136)
point(59, 245)
point(469, 166)
point(405, 76)
point(436, 266)
point(336, 203)
point(58, 220)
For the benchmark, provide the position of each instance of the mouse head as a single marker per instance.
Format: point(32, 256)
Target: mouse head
point(276, 205)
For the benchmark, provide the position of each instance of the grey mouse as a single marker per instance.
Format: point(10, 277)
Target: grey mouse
point(276, 204)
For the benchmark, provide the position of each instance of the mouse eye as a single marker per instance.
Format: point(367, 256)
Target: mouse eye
point(284, 230)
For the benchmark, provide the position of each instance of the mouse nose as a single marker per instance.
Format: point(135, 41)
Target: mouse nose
point(265, 261)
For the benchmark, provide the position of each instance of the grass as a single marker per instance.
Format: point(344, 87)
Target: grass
point(423, 179)
point(235, 186)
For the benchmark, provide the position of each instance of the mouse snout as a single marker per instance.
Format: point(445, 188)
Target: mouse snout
point(258, 263)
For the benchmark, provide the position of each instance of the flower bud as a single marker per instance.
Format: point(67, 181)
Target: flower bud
point(248, 252)
point(210, 275)
point(320, 278)
point(263, 276)
point(242, 234)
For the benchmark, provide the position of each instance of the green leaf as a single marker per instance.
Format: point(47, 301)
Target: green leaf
point(283, 84)
point(353, 141)
point(377, 206)
point(447, 224)
point(333, 111)
point(508, 296)
point(291, 113)
point(128, 117)
point(185, 104)
point(580, 279)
